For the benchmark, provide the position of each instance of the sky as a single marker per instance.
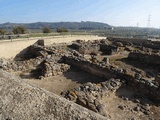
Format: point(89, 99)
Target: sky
point(112, 12)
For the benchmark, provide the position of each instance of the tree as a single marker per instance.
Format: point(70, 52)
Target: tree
point(46, 30)
point(2, 32)
point(61, 30)
point(19, 30)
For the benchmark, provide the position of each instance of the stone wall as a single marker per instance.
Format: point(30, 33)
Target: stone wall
point(53, 68)
point(145, 57)
point(85, 47)
point(22, 101)
point(131, 78)
point(108, 49)
point(152, 45)
point(94, 47)
point(137, 41)
point(95, 69)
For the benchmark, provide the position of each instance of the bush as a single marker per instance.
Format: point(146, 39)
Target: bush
point(60, 30)
point(19, 30)
point(2, 32)
point(46, 30)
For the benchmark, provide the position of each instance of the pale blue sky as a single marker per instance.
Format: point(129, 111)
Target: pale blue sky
point(113, 12)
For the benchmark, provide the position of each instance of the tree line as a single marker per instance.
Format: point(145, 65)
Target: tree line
point(23, 30)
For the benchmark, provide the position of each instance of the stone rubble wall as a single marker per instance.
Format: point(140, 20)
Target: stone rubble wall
point(138, 42)
point(100, 69)
point(10, 65)
point(22, 101)
point(85, 47)
point(45, 59)
point(87, 66)
point(107, 71)
point(94, 47)
point(108, 49)
point(124, 41)
point(152, 44)
point(52, 69)
point(145, 57)
point(89, 94)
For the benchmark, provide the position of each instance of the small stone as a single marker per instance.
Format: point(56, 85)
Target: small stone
point(81, 101)
point(96, 102)
point(125, 98)
point(157, 79)
point(92, 107)
point(101, 110)
point(146, 112)
point(121, 107)
point(48, 56)
point(136, 101)
point(71, 98)
point(138, 76)
point(106, 60)
point(136, 108)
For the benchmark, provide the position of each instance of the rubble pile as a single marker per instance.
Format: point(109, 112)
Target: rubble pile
point(20, 65)
point(94, 47)
point(53, 68)
point(85, 47)
point(46, 59)
point(90, 94)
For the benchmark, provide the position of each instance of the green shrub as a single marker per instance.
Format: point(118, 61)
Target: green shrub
point(60, 30)
point(19, 30)
point(2, 32)
point(46, 30)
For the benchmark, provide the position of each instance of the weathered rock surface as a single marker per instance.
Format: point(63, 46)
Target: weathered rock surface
point(22, 101)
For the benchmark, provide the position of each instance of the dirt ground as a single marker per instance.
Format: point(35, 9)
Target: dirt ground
point(67, 81)
point(121, 106)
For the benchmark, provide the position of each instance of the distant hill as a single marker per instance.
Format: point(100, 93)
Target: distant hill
point(53, 25)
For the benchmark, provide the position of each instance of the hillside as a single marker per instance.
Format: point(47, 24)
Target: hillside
point(69, 25)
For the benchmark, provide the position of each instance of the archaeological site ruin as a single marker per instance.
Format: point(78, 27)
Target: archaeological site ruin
point(112, 78)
